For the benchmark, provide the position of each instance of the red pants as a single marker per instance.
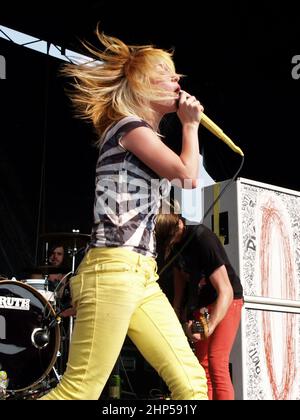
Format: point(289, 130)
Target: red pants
point(213, 353)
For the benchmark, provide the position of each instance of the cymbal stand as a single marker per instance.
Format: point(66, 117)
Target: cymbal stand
point(46, 285)
point(72, 251)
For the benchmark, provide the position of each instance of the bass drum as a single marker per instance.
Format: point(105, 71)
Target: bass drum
point(28, 344)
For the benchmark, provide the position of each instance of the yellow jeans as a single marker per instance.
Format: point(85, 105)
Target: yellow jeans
point(115, 293)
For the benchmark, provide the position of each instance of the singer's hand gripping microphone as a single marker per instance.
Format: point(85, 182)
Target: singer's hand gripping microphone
point(218, 132)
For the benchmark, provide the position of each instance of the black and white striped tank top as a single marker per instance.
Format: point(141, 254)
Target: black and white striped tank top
point(127, 195)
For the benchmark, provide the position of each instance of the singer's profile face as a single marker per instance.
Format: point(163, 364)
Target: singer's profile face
point(169, 83)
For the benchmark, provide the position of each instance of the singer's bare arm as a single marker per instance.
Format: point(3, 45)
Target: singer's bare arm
point(148, 147)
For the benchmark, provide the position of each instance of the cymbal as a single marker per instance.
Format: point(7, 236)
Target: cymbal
point(65, 236)
point(49, 269)
point(67, 239)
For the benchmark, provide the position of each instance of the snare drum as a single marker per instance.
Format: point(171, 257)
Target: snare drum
point(23, 312)
point(42, 286)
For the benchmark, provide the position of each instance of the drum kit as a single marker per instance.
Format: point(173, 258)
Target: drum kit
point(35, 326)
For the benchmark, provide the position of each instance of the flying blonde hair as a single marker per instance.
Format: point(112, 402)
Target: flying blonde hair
point(122, 85)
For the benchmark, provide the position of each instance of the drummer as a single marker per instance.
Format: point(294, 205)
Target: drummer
point(56, 259)
point(57, 271)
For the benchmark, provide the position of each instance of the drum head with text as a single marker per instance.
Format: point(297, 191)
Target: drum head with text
point(24, 311)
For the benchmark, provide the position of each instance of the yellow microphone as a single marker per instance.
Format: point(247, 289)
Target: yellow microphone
point(213, 128)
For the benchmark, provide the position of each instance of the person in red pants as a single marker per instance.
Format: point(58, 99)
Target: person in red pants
point(204, 281)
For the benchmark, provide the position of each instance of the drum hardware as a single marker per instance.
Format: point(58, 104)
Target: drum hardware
point(81, 238)
point(57, 318)
point(31, 340)
point(28, 346)
point(73, 241)
point(34, 392)
point(41, 285)
point(34, 343)
point(45, 270)
point(58, 376)
point(40, 338)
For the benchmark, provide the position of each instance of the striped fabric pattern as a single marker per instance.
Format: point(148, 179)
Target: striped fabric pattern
point(127, 195)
